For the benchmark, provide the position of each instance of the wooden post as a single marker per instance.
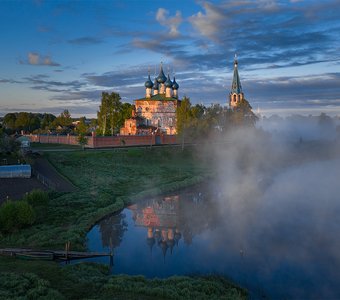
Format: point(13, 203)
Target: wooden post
point(67, 249)
point(111, 254)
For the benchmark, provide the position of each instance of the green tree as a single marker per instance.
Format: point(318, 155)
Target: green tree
point(109, 114)
point(8, 144)
point(47, 120)
point(184, 115)
point(242, 115)
point(9, 121)
point(126, 113)
point(64, 119)
point(82, 128)
point(22, 121)
point(184, 118)
point(82, 140)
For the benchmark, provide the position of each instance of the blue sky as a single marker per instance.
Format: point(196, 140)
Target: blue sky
point(63, 54)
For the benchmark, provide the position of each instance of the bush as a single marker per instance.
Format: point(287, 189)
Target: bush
point(8, 216)
point(26, 286)
point(37, 198)
point(26, 214)
point(15, 215)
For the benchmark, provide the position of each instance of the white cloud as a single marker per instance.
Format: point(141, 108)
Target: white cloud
point(207, 23)
point(36, 59)
point(33, 58)
point(162, 16)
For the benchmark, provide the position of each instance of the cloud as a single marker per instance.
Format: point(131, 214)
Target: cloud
point(9, 81)
point(207, 24)
point(92, 95)
point(172, 23)
point(41, 82)
point(36, 59)
point(86, 40)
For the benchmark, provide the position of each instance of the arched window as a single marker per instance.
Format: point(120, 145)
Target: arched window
point(234, 97)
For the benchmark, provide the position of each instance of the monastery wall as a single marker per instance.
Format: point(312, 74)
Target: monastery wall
point(107, 141)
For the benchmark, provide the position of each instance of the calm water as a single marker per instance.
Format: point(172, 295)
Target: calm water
point(282, 243)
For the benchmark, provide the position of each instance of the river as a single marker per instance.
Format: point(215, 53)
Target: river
point(282, 243)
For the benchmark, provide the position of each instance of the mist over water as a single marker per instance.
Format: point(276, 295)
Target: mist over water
point(270, 220)
point(281, 206)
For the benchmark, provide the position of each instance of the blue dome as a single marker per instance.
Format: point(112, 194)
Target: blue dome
point(175, 85)
point(148, 83)
point(155, 86)
point(168, 82)
point(161, 77)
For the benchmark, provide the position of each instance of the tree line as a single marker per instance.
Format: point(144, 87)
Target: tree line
point(196, 121)
point(44, 123)
point(192, 120)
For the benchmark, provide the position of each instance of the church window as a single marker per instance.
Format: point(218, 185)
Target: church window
point(234, 98)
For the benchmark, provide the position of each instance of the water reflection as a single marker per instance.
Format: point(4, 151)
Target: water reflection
point(112, 230)
point(170, 219)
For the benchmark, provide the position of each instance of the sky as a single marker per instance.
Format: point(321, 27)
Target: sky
point(57, 55)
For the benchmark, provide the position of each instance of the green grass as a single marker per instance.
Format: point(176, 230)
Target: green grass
point(50, 146)
point(31, 280)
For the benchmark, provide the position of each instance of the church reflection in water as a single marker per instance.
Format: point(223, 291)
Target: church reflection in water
point(169, 220)
point(161, 218)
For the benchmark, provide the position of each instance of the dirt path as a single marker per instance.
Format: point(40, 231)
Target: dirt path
point(43, 167)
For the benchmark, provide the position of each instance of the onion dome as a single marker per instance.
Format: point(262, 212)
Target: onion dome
point(164, 246)
point(168, 82)
point(157, 234)
point(175, 85)
point(150, 242)
point(148, 83)
point(171, 244)
point(155, 85)
point(177, 237)
point(161, 77)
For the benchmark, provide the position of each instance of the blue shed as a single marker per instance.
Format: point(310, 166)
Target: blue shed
point(15, 171)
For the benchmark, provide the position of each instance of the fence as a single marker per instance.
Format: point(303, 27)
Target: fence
point(107, 141)
point(44, 180)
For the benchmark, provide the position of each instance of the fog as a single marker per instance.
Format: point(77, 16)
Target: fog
point(268, 220)
point(280, 203)
point(296, 127)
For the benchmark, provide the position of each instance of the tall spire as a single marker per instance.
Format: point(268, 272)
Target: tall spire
point(236, 84)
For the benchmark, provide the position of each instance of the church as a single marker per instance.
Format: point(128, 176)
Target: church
point(156, 112)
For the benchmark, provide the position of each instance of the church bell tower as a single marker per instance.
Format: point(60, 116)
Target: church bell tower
point(236, 94)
